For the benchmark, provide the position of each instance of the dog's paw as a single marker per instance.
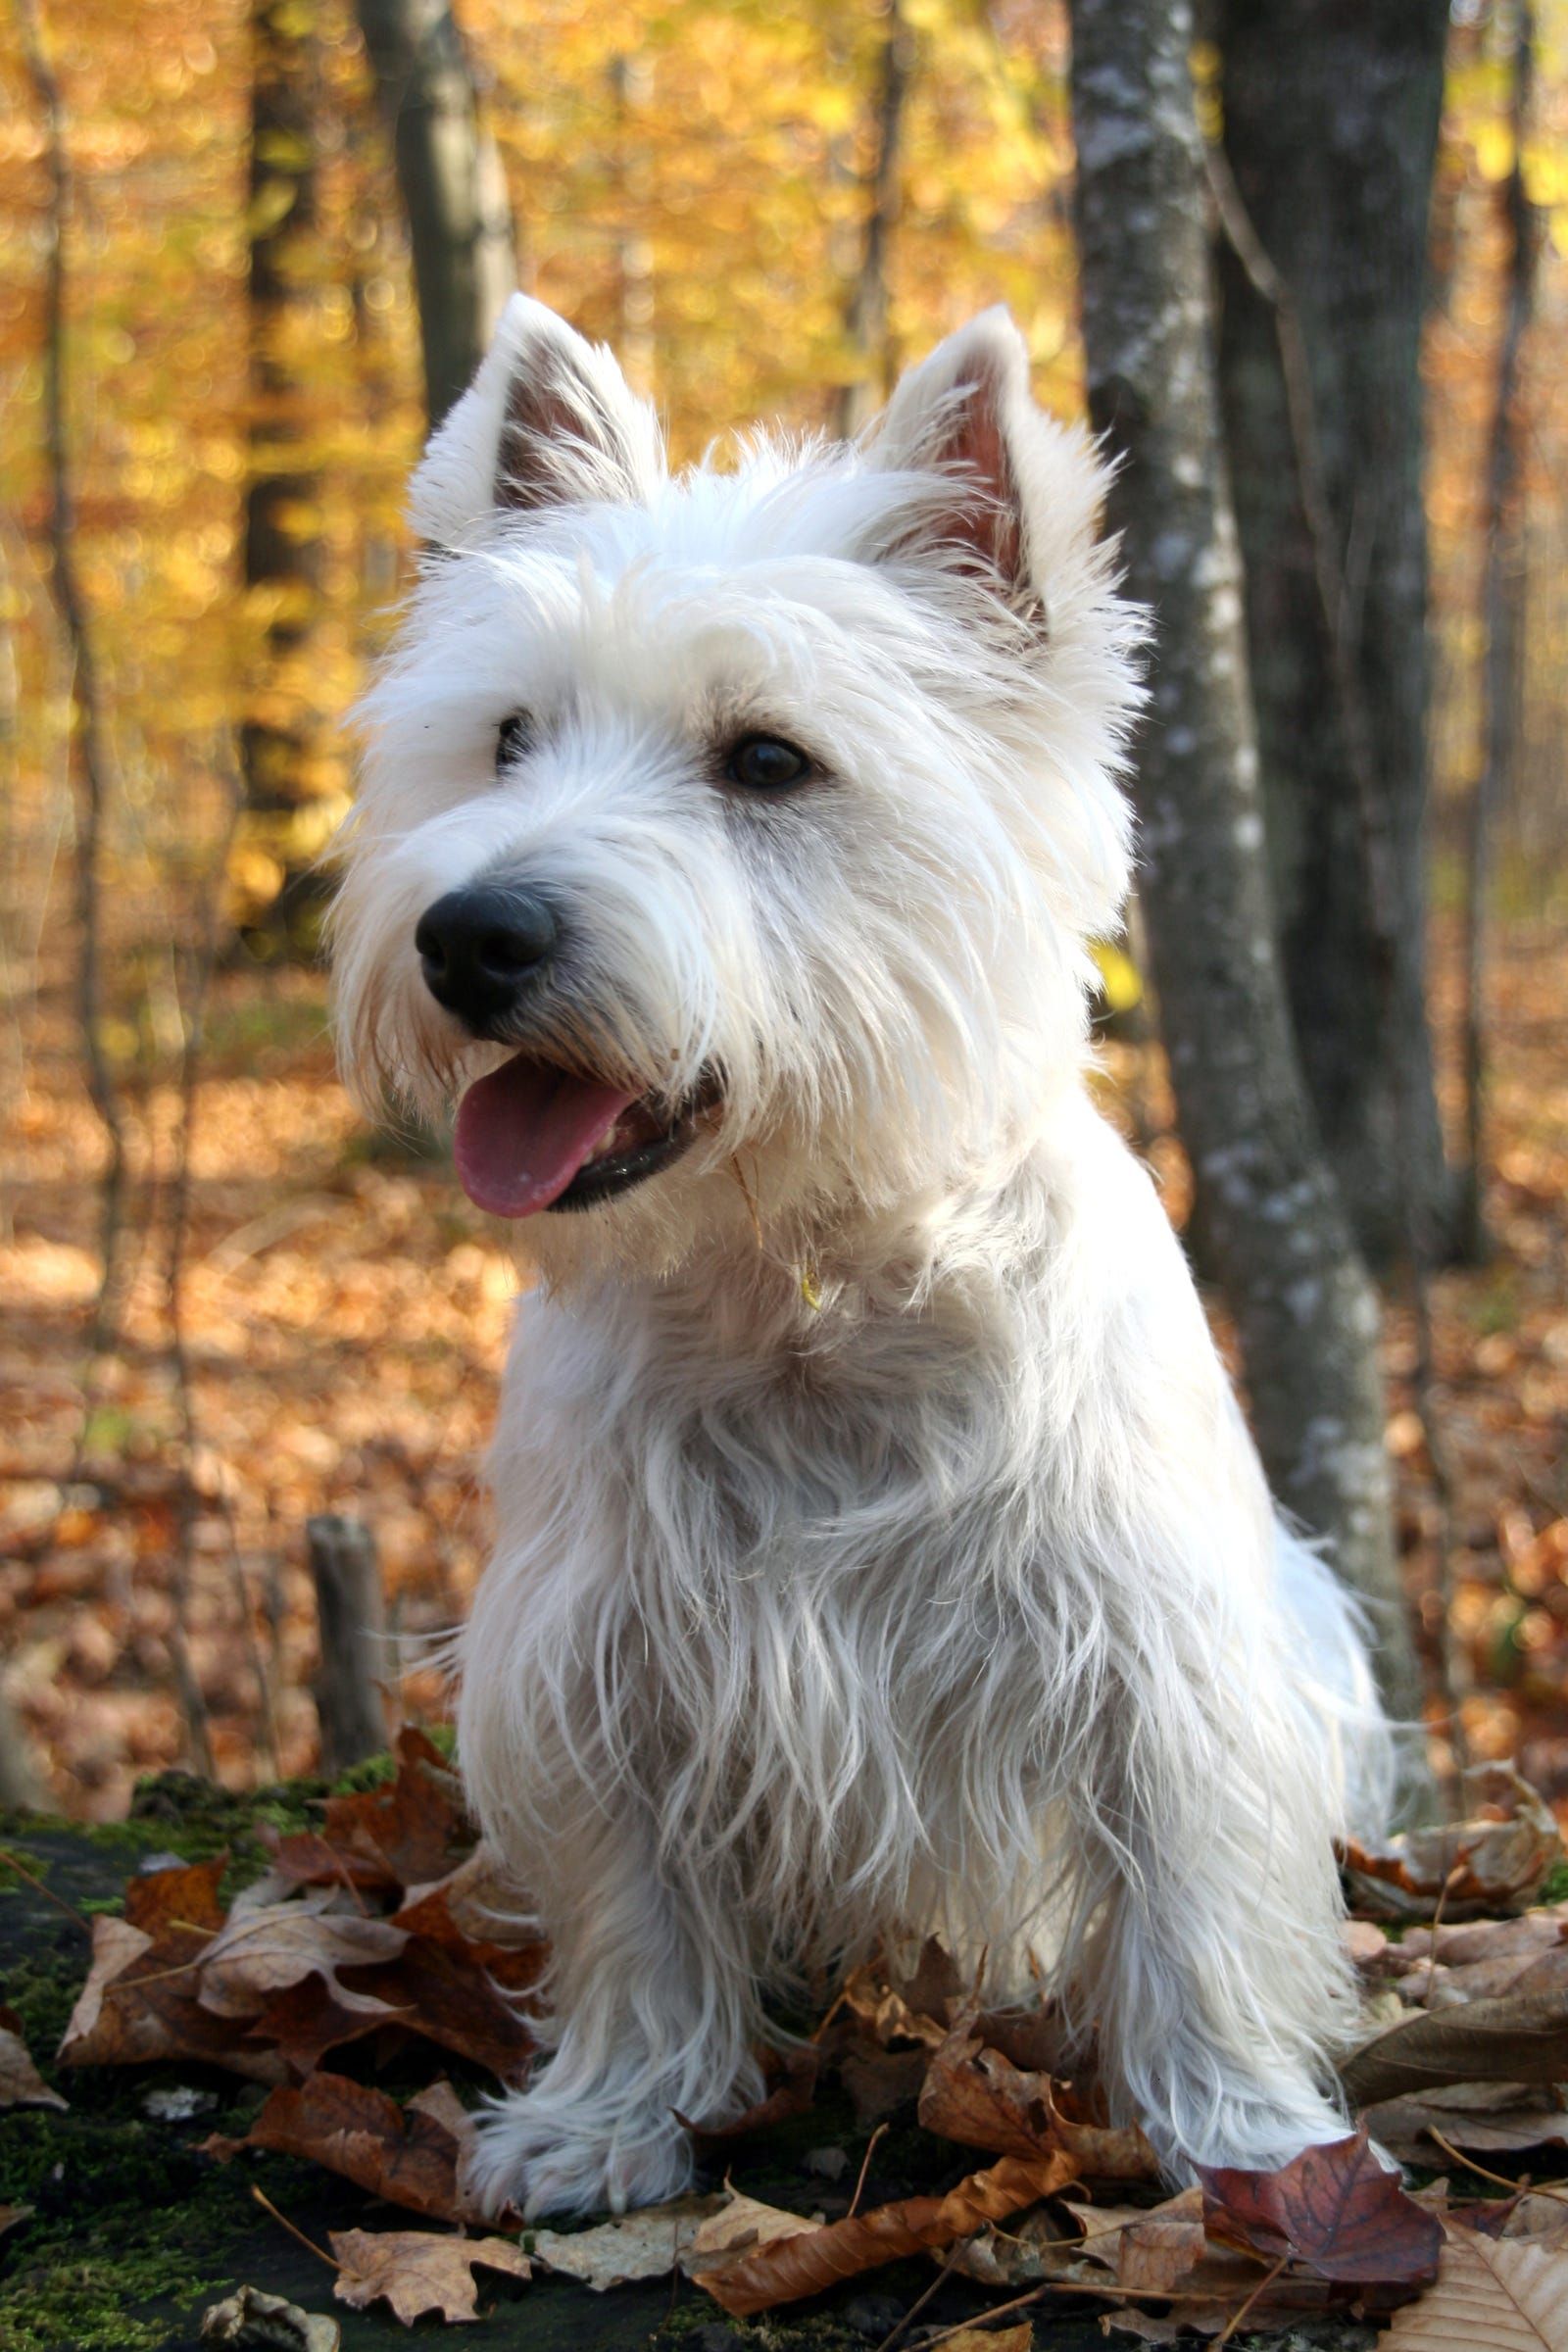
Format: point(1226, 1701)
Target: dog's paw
point(540, 2155)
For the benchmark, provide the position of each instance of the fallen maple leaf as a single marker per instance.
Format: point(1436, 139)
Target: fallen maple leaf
point(138, 2004)
point(407, 1833)
point(468, 1911)
point(1490, 2295)
point(305, 2020)
point(21, 2083)
point(445, 1991)
point(262, 1953)
point(418, 2271)
point(807, 2261)
point(412, 2155)
point(1335, 2207)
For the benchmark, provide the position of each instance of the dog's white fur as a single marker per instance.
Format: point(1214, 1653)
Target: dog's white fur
point(881, 1548)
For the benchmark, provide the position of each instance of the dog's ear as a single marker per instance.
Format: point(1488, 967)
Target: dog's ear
point(548, 422)
point(966, 414)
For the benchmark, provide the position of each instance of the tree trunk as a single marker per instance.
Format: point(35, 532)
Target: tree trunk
point(1331, 124)
point(88, 740)
point(276, 842)
point(1503, 598)
point(453, 189)
point(866, 313)
point(1305, 1311)
point(349, 1701)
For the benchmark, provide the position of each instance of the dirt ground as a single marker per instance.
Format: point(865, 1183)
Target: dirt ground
point(344, 1319)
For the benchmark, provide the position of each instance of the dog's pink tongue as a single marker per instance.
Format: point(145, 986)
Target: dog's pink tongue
point(523, 1131)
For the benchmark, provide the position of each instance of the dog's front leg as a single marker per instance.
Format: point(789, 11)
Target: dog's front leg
point(1219, 1982)
point(652, 2020)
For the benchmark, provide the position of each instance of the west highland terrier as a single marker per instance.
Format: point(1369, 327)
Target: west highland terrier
point(881, 1547)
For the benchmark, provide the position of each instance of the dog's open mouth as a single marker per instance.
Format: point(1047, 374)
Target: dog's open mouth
point(532, 1136)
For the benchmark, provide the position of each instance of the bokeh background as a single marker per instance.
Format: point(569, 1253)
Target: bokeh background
point(247, 1308)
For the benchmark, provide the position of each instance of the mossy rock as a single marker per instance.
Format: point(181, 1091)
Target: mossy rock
point(133, 2232)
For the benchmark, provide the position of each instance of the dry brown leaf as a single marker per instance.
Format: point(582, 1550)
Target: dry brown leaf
point(881, 2081)
point(991, 2339)
point(412, 2155)
point(262, 1952)
point(1481, 1960)
point(805, 2263)
point(13, 2216)
point(1490, 2295)
point(307, 2020)
point(468, 1911)
point(739, 2225)
point(1154, 2251)
point(418, 2271)
point(408, 1834)
point(1520, 2038)
point(1495, 1860)
point(1334, 2207)
point(138, 2004)
point(1171, 2327)
point(21, 2083)
point(1544, 2219)
point(444, 1991)
point(1499, 2117)
point(1105, 2152)
point(254, 2322)
point(645, 2244)
point(979, 2097)
point(884, 2010)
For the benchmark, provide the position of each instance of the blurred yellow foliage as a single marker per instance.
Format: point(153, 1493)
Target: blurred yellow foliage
point(689, 178)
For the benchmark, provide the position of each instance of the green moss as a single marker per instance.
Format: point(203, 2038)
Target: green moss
point(1554, 1887)
point(43, 1997)
point(124, 2220)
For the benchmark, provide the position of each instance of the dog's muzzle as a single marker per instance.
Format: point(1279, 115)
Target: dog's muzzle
point(481, 947)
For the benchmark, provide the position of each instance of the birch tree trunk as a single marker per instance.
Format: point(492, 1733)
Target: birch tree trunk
point(1306, 1312)
point(453, 189)
point(1331, 119)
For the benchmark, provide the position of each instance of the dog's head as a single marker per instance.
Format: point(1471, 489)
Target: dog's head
point(736, 837)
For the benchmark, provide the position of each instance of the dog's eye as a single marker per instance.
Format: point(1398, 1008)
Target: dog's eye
point(513, 739)
point(765, 763)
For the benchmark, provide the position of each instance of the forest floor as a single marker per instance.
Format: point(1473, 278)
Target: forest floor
point(343, 1322)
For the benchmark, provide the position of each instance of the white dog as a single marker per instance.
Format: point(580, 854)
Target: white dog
point(881, 1548)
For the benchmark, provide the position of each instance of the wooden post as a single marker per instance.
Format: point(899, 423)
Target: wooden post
point(349, 1701)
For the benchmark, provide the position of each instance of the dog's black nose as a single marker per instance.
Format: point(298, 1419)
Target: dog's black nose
point(481, 947)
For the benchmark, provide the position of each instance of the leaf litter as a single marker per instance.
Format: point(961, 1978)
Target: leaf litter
point(388, 1931)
